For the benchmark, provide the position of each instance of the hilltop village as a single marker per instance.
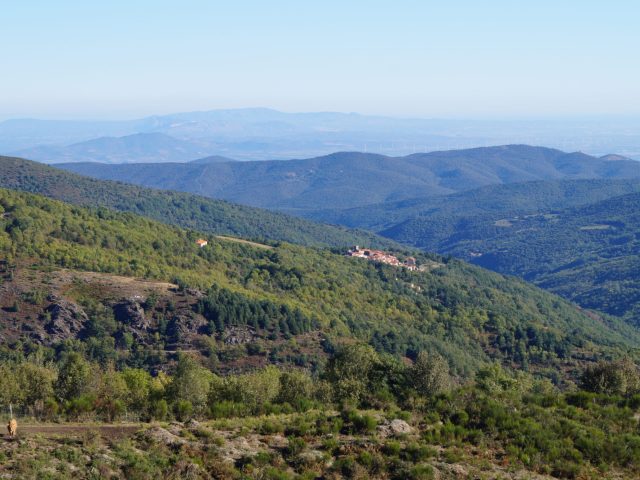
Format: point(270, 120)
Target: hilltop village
point(382, 257)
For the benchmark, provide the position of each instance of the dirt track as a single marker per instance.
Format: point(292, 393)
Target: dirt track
point(111, 432)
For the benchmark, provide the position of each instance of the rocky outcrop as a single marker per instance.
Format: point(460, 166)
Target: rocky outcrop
point(66, 319)
point(185, 323)
point(238, 335)
point(131, 313)
point(163, 436)
point(194, 293)
point(395, 428)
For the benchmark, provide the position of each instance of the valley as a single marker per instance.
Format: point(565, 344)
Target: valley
point(413, 205)
point(197, 352)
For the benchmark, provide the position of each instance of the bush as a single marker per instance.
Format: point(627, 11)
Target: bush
point(80, 406)
point(183, 409)
point(50, 408)
point(421, 472)
point(271, 427)
point(295, 446)
point(620, 377)
point(417, 453)
point(581, 399)
point(430, 374)
point(359, 423)
point(392, 448)
point(228, 409)
point(160, 409)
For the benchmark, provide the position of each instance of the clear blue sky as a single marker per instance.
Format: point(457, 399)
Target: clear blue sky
point(473, 59)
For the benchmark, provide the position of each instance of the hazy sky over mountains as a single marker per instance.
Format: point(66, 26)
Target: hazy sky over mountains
point(464, 59)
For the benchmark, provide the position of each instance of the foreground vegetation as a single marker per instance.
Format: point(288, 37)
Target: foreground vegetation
point(364, 415)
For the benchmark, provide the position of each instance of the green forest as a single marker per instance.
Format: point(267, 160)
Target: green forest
point(576, 238)
point(469, 315)
point(181, 209)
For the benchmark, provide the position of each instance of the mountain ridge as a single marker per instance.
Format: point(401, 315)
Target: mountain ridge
point(577, 238)
point(352, 179)
point(183, 209)
point(258, 134)
point(138, 147)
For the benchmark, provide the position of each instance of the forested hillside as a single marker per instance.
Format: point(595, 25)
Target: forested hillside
point(185, 210)
point(436, 219)
point(352, 179)
point(468, 314)
point(588, 254)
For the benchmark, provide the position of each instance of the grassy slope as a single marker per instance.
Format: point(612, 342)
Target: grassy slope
point(468, 314)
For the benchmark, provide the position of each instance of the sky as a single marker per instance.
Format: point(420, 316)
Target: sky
point(453, 59)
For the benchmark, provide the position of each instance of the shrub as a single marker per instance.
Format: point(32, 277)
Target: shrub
point(392, 448)
point(270, 427)
point(620, 377)
point(421, 472)
point(430, 374)
point(183, 409)
point(160, 409)
point(417, 453)
point(295, 446)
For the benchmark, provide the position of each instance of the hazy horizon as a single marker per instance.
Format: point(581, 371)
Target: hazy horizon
point(409, 59)
point(101, 116)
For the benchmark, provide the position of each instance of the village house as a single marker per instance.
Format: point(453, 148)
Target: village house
point(381, 257)
point(201, 242)
point(410, 263)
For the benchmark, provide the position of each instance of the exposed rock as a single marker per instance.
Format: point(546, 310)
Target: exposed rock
point(239, 447)
point(175, 428)
point(130, 312)
point(185, 323)
point(192, 423)
point(238, 335)
point(163, 436)
point(277, 441)
point(312, 456)
point(194, 292)
point(67, 319)
point(394, 428)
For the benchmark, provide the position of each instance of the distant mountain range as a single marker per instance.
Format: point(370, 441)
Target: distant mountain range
point(263, 134)
point(139, 147)
point(353, 179)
